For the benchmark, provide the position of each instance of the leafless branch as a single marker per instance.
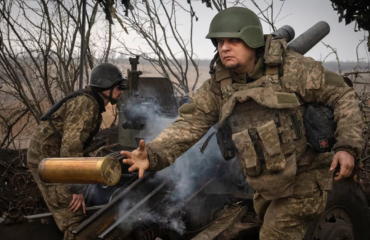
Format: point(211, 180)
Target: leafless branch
point(336, 55)
point(358, 59)
point(39, 46)
point(356, 73)
point(166, 47)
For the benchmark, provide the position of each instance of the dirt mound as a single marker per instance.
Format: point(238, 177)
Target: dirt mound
point(17, 187)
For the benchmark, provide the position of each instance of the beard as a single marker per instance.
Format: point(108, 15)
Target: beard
point(233, 66)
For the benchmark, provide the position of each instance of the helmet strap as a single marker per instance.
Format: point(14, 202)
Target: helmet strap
point(211, 65)
point(110, 99)
point(259, 53)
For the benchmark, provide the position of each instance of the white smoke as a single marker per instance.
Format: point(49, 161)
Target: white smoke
point(183, 176)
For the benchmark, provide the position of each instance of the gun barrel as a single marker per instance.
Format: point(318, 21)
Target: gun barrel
point(286, 32)
point(96, 170)
point(304, 42)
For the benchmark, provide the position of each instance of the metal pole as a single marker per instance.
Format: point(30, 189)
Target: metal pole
point(82, 43)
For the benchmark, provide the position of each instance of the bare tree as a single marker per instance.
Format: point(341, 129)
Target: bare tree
point(218, 4)
point(39, 56)
point(333, 51)
point(168, 46)
point(8, 120)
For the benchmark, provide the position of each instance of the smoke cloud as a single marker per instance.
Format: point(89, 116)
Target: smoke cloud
point(184, 177)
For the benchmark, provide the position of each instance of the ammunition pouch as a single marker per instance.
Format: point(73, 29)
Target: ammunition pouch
point(320, 127)
point(225, 141)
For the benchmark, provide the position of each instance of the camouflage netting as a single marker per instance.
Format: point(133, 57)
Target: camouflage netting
point(354, 10)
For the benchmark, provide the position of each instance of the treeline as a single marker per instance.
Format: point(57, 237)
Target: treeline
point(346, 66)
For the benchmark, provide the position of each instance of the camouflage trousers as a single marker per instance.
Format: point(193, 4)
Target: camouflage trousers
point(57, 198)
point(288, 218)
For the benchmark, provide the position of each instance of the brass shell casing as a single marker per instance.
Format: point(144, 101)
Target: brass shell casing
point(90, 170)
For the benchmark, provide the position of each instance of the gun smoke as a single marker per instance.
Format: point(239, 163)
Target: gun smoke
point(183, 178)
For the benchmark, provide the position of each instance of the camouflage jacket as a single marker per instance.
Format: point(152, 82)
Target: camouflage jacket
point(75, 120)
point(302, 76)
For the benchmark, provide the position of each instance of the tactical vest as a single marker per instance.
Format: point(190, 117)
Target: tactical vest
point(55, 107)
point(266, 125)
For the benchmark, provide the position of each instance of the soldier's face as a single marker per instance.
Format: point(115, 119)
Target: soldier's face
point(236, 55)
point(116, 92)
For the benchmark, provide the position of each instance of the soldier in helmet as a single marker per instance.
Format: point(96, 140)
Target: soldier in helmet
point(257, 91)
point(65, 131)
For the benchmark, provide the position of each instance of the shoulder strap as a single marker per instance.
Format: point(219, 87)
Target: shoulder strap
point(55, 107)
point(274, 52)
point(221, 77)
point(94, 132)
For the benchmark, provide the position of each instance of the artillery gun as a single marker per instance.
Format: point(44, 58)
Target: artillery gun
point(201, 196)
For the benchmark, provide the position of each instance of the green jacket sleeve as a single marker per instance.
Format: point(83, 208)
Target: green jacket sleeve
point(193, 122)
point(312, 83)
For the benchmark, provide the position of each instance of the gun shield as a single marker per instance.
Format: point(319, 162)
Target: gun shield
point(95, 170)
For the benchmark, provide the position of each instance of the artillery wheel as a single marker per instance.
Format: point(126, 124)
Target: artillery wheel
point(346, 216)
point(335, 223)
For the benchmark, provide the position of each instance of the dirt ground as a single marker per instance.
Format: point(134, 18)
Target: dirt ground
point(17, 187)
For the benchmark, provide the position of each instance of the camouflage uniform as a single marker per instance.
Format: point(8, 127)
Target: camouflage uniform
point(289, 177)
point(75, 120)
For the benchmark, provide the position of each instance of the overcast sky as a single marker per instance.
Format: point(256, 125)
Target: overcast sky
point(299, 14)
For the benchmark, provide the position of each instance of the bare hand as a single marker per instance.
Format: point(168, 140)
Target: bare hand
point(77, 201)
point(138, 159)
point(347, 163)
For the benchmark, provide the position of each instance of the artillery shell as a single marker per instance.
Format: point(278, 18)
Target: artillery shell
point(91, 170)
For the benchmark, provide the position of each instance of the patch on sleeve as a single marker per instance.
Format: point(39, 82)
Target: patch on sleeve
point(314, 75)
point(333, 79)
point(187, 108)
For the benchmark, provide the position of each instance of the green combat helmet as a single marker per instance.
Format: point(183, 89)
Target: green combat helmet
point(105, 76)
point(237, 22)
